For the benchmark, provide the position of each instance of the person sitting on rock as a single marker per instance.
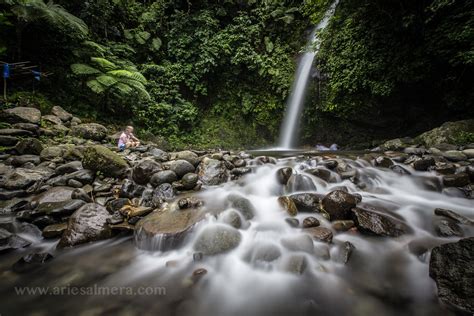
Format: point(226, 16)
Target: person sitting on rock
point(127, 139)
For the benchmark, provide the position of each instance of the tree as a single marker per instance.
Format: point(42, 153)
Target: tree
point(30, 11)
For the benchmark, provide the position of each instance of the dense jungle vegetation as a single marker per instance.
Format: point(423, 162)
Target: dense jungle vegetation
point(217, 73)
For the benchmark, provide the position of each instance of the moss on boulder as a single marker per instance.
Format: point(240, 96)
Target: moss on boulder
point(448, 133)
point(102, 159)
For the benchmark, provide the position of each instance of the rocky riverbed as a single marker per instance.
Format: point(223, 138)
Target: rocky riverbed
point(386, 231)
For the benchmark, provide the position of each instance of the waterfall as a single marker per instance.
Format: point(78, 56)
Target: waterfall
point(294, 107)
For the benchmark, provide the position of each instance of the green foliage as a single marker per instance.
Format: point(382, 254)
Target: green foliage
point(28, 99)
point(464, 138)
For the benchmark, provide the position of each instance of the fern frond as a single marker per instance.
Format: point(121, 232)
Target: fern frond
point(135, 75)
point(103, 63)
point(83, 69)
point(95, 86)
point(106, 80)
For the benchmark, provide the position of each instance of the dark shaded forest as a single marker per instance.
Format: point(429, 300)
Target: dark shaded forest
point(218, 73)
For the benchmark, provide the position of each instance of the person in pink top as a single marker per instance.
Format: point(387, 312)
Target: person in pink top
point(127, 139)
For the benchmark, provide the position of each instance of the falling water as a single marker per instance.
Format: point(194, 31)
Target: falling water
point(288, 133)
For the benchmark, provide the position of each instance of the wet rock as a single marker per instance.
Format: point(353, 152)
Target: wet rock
point(293, 222)
point(311, 222)
point(135, 211)
point(284, 174)
point(299, 242)
point(116, 204)
point(189, 181)
point(243, 205)
point(190, 202)
point(81, 194)
point(454, 216)
point(164, 176)
point(320, 233)
point(400, 170)
point(447, 228)
point(30, 146)
point(232, 218)
point(342, 226)
point(8, 195)
point(89, 223)
point(74, 183)
point(369, 221)
point(445, 169)
point(60, 208)
point(307, 202)
point(288, 205)
point(164, 192)
point(22, 114)
point(43, 221)
point(21, 178)
point(143, 171)
point(62, 114)
point(91, 131)
point(54, 230)
point(263, 252)
point(9, 241)
point(338, 204)
point(217, 239)
point(100, 158)
point(300, 182)
point(321, 173)
point(84, 176)
point(383, 162)
point(187, 155)
point(31, 262)
point(240, 171)
point(452, 269)
point(424, 163)
point(129, 189)
point(18, 161)
point(344, 252)
point(69, 167)
point(454, 155)
point(169, 227)
point(296, 264)
point(456, 180)
point(54, 195)
point(159, 154)
point(117, 218)
point(8, 140)
point(181, 167)
point(52, 152)
point(212, 172)
point(469, 153)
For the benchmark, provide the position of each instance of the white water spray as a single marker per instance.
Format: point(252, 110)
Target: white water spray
point(289, 131)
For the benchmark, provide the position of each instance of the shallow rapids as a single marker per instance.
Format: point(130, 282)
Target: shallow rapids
point(274, 270)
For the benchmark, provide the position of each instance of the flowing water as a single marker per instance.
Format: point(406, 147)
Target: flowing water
point(274, 270)
point(295, 104)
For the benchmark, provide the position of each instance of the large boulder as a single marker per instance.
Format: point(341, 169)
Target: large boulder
point(91, 131)
point(144, 170)
point(8, 140)
point(307, 202)
point(337, 204)
point(100, 158)
point(452, 268)
point(181, 167)
point(187, 155)
point(449, 132)
point(371, 221)
point(300, 182)
point(22, 178)
point(217, 239)
point(30, 146)
point(15, 132)
point(89, 223)
point(54, 195)
point(22, 115)
point(164, 176)
point(61, 113)
point(50, 153)
point(165, 229)
point(212, 172)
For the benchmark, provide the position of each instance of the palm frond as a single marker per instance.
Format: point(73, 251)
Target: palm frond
point(135, 75)
point(106, 80)
point(103, 63)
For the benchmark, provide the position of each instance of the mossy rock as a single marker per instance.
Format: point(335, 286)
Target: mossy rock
point(449, 133)
point(102, 159)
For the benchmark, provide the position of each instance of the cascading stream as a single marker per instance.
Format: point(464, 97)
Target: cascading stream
point(295, 103)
